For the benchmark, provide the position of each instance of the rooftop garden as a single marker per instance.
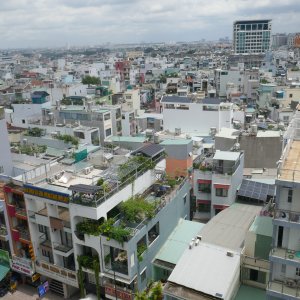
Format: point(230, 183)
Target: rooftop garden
point(203, 166)
point(107, 228)
point(68, 139)
point(136, 164)
point(30, 149)
point(124, 175)
point(35, 131)
point(134, 212)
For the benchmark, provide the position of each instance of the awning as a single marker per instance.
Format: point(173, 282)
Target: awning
point(222, 186)
point(203, 181)
point(203, 201)
point(3, 272)
point(217, 206)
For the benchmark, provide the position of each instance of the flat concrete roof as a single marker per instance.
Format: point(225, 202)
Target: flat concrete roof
point(249, 293)
point(268, 133)
point(206, 268)
point(291, 166)
point(136, 139)
point(229, 227)
point(226, 155)
point(176, 142)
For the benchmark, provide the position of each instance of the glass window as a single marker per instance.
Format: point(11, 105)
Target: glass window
point(204, 187)
point(221, 192)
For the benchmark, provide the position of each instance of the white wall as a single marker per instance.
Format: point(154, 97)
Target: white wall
point(195, 120)
point(5, 154)
point(23, 112)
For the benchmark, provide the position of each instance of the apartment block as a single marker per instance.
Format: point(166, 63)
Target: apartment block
point(285, 266)
point(252, 36)
point(215, 182)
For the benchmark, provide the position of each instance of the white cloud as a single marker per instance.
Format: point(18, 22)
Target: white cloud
point(26, 23)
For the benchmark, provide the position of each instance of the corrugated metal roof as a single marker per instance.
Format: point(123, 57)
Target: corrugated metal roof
point(178, 241)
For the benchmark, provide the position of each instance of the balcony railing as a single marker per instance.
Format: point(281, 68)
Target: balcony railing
point(122, 293)
point(21, 212)
point(289, 287)
point(286, 254)
point(62, 247)
point(3, 230)
point(57, 272)
point(91, 201)
point(287, 216)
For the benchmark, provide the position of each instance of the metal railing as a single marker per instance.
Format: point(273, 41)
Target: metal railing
point(21, 211)
point(257, 262)
point(96, 202)
point(62, 247)
point(287, 254)
point(3, 230)
point(289, 286)
point(287, 216)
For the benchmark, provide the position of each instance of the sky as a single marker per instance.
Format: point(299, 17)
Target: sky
point(56, 23)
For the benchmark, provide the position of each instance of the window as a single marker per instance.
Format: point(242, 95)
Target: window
point(283, 268)
point(42, 228)
point(108, 132)
point(23, 121)
point(204, 187)
point(297, 271)
point(153, 233)
point(203, 207)
point(221, 192)
point(106, 117)
point(184, 199)
point(143, 275)
point(290, 196)
point(1, 169)
point(291, 95)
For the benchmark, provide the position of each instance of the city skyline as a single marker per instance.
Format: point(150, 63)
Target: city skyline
point(26, 23)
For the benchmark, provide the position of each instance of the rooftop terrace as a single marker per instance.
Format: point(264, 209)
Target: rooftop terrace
point(291, 166)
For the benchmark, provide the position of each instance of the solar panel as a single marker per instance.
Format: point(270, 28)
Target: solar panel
point(256, 190)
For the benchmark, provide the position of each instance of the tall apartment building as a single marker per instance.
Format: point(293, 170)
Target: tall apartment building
point(253, 36)
point(216, 181)
point(285, 264)
point(50, 208)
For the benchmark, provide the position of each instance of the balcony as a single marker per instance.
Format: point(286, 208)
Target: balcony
point(122, 293)
point(136, 212)
point(289, 287)
point(94, 196)
point(45, 243)
point(63, 250)
point(287, 216)
point(21, 213)
point(3, 233)
point(56, 272)
point(292, 256)
point(21, 233)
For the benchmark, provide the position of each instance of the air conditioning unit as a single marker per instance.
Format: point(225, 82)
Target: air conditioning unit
point(86, 170)
point(51, 179)
point(199, 237)
point(229, 253)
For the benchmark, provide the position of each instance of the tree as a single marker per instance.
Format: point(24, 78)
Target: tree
point(91, 80)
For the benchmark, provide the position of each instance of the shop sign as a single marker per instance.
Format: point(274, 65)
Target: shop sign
point(44, 193)
point(22, 265)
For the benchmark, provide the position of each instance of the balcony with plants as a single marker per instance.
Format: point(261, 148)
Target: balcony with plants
point(117, 179)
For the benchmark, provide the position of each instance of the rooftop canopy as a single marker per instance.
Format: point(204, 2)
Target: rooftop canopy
point(84, 188)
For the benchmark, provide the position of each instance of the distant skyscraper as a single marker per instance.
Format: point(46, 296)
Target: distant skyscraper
point(252, 36)
point(279, 39)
